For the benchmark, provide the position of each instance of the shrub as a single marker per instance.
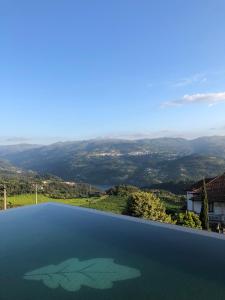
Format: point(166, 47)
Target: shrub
point(148, 206)
point(189, 219)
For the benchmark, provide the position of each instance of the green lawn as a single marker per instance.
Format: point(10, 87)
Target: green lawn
point(104, 203)
point(29, 199)
point(115, 204)
point(172, 202)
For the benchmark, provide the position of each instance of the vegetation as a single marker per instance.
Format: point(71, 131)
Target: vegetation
point(113, 204)
point(122, 190)
point(175, 187)
point(149, 162)
point(205, 208)
point(50, 186)
point(18, 186)
point(29, 199)
point(157, 205)
point(173, 203)
point(189, 219)
point(153, 205)
point(21, 192)
point(64, 190)
point(148, 206)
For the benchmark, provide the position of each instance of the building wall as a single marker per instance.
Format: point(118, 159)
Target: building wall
point(197, 205)
point(194, 206)
point(219, 208)
point(189, 201)
point(189, 205)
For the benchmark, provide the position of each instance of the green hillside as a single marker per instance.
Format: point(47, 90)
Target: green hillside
point(110, 162)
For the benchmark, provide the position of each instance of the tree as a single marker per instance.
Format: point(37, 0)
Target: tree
point(204, 217)
point(189, 219)
point(122, 190)
point(148, 206)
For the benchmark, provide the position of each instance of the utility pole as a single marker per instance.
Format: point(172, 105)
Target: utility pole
point(36, 194)
point(5, 198)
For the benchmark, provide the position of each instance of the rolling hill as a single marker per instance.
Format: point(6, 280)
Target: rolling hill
point(8, 170)
point(138, 162)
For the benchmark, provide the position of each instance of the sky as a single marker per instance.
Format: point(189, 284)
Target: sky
point(80, 69)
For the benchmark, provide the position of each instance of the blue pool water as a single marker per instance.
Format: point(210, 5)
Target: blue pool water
point(53, 251)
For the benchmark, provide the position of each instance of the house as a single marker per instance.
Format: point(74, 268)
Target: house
point(216, 197)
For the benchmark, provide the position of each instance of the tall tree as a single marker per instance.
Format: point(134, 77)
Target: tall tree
point(204, 217)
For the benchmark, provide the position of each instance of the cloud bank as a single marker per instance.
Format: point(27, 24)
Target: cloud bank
point(204, 98)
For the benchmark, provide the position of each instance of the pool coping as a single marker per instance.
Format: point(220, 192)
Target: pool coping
point(125, 217)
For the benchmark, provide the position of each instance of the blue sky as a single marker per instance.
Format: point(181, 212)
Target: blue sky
point(75, 69)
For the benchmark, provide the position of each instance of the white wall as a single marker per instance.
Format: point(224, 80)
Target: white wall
point(189, 205)
point(197, 206)
point(189, 195)
point(189, 201)
point(219, 208)
point(193, 205)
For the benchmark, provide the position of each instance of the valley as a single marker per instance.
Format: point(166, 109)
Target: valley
point(110, 162)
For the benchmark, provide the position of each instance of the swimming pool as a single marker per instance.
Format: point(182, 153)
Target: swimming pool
point(53, 251)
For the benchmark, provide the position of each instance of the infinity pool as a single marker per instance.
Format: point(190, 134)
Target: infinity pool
point(52, 251)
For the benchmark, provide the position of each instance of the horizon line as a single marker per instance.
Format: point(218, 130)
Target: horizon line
point(116, 138)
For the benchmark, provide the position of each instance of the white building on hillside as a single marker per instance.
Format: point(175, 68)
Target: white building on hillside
point(216, 197)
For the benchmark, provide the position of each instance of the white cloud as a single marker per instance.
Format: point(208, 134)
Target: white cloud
point(204, 98)
point(196, 78)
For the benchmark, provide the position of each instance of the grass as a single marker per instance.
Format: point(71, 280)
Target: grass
point(104, 203)
point(29, 199)
point(171, 205)
point(172, 202)
point(115, 204)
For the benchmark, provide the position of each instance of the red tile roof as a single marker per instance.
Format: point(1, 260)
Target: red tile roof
point(215, 189)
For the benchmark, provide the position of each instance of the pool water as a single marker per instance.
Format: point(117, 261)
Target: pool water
point(53, 251)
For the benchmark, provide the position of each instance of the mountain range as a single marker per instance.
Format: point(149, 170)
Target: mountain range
point(114, 161)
